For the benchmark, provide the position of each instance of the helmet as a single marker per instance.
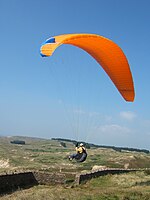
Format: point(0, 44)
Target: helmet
point(81, 144)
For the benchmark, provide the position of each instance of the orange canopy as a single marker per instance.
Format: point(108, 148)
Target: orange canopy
point(108, 54)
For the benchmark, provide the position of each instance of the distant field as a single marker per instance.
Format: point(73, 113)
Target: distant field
point(50, 155)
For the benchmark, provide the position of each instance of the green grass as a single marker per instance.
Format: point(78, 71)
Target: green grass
point(39, 153)
point(50, 156)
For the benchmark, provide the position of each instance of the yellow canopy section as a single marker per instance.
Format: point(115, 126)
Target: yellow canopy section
point(108, 54)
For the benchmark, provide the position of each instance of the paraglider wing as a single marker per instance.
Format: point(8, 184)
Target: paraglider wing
point(108, 54)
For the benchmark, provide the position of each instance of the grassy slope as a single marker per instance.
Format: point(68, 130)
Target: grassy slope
point(50, 156)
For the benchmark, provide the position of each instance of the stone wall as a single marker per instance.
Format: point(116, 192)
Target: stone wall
point(93, 174)
point(19, 180)
point(49, 178)
point(11, 182)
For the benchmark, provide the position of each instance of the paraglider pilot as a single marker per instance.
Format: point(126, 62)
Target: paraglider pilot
point(80, 155)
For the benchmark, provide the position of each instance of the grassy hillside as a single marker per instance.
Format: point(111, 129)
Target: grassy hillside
point(52, 156)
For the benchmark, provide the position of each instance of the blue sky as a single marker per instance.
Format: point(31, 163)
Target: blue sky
point(68, 95)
